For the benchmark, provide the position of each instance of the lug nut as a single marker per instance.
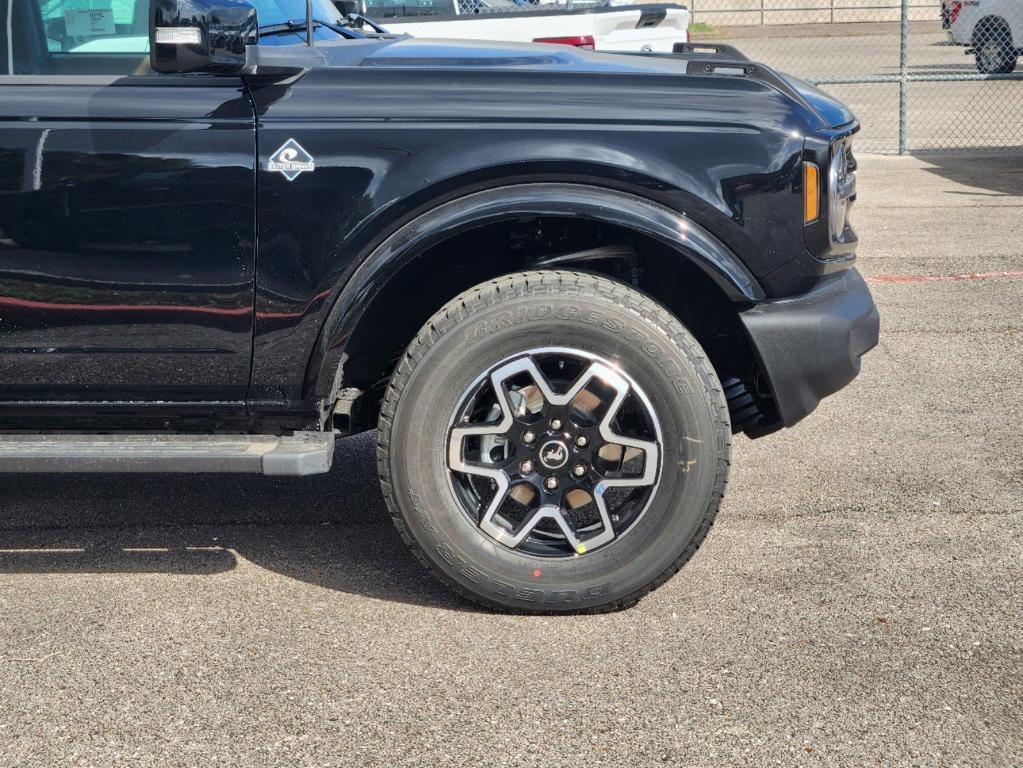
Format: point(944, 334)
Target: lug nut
point(528, 437)
point(581, 441)
point(555, 424)
point(579, 470)
point(550, 483)
point(526, 466)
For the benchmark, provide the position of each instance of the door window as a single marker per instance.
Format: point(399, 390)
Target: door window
point(111, 37)
point(80, 37)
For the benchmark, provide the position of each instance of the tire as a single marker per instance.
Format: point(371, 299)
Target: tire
point(583, 328)
point(993, 49)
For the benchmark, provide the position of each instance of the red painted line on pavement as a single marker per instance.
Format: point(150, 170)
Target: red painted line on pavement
point(942, 278)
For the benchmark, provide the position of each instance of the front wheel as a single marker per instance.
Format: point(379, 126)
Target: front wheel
point(554, 442)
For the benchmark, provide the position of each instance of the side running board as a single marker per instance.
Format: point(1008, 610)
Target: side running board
point(303, 453)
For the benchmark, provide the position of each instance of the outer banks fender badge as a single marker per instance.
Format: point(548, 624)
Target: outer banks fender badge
point(291, 160)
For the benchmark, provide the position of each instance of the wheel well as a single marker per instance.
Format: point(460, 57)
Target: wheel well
point(443, 271)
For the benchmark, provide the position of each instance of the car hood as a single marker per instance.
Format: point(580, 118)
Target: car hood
point(478, 54)
point(468, 56)
point(833, 113)
point(403, 52)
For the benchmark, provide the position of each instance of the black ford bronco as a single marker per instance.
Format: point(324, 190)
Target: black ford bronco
point(554, 281)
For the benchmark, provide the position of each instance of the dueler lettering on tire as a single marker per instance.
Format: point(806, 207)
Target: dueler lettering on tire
point(553, 441)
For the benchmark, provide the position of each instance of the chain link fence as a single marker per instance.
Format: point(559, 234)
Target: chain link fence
point(920, 76)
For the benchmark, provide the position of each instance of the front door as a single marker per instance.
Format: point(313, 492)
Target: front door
point(127, 205)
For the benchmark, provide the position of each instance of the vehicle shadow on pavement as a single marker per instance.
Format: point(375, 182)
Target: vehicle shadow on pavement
point(1000, 172)
point(332, 530)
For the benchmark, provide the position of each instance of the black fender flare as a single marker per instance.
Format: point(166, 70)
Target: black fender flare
point(674, 229)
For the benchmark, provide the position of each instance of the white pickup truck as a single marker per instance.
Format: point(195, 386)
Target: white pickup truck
point(605, 26)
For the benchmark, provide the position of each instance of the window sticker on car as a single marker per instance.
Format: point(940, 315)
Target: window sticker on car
point(291, 159)
point(89, 22)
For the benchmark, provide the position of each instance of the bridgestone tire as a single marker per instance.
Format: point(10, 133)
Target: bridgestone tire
point(505, 317)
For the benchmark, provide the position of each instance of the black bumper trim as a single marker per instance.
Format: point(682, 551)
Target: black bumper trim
point(810, 346)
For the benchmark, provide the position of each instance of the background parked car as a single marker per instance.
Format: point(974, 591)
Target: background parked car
point(993, 29)
point(601, 25)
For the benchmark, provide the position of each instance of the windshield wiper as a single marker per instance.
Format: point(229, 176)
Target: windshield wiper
point(290, 26)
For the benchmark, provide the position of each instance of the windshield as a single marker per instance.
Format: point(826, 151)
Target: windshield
point(281, 11)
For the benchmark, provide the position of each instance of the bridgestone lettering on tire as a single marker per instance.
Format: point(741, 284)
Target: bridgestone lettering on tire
point(553, 442)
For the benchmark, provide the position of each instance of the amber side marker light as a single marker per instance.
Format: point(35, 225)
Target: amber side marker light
point(811, 192)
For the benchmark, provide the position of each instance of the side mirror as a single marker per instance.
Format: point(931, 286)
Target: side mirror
point(348, 7)
point(201, 35)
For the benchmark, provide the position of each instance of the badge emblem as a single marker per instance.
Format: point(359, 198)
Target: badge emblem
point(553, 454)
point(291, 159)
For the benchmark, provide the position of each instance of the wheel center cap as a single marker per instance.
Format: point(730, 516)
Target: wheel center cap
point(554, 454)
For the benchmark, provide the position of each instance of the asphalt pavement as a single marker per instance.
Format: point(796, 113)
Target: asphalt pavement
point(858, 601)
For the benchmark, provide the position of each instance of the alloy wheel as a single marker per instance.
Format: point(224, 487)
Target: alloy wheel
point(554, 452)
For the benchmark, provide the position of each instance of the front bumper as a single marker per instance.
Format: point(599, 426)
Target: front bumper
point(810, 346)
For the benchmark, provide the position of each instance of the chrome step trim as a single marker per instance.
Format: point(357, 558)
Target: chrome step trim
point(303, 453)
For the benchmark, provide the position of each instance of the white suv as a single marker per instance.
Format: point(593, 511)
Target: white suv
point(993, 28)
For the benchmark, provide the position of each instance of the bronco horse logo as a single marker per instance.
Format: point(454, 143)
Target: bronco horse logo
point(554, 454)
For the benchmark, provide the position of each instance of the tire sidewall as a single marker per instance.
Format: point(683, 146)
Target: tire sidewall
point(675, 384)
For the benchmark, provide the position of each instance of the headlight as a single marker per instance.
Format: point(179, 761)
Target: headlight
point(841, 188)
point(829, 191)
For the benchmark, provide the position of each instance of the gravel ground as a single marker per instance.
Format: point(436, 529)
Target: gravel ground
point(857, 603)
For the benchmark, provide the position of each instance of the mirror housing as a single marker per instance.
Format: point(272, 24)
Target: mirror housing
point(201, 35)
point(348, 7)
